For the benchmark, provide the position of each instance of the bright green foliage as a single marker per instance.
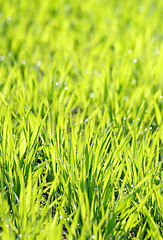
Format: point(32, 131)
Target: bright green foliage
point(81, 119)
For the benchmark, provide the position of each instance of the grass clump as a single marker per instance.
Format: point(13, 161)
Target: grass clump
point(81, 119)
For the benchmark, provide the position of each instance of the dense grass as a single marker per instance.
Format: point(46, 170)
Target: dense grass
point(81, 119)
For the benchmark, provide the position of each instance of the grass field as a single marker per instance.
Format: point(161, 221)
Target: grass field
point(81, 119)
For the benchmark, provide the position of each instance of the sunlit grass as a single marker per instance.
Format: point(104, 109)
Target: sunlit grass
point(81, 119)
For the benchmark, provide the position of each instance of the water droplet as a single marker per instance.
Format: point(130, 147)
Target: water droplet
point(81, 121)
point(141, 8)
point(57, 83)
point(9, 18)
point(129, 51)
point(7, 225)
point(125, 98)
point(60, 216)
point(91, 95)
point(157, 51)
point(9, 54)
point(67, 218)
point(161, 97)
point(24, 62)
point(100, 75)
point(66, 88)
point(67, 7)
point(93, 237)
point(1, 58)
point(134, 81)
point(146, 129)
point(20, 235)
point(124, 118)
point(38, 64)
point(135, 60)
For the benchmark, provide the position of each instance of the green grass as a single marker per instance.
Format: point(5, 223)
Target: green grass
point(81, 119)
